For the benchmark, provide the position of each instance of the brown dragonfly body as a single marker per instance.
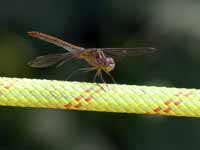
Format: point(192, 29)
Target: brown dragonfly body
point(99, 59)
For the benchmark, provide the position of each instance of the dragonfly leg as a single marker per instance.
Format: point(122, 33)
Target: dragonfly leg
point(112, 78)
point(99, 74)
point(82, 69)
point(101, 77)
point(95, 76)
point(88, 69)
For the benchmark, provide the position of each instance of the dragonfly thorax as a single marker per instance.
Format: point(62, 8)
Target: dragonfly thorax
point(98, 59)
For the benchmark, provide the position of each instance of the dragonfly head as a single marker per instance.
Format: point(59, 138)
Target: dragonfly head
point(109, 64)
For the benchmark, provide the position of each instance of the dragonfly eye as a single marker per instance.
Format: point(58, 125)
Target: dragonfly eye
point(110, 64)
point(110, 60)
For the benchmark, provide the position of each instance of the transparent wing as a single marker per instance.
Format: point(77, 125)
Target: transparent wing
point(129, 51)
point(50, 59)
point(54, 40)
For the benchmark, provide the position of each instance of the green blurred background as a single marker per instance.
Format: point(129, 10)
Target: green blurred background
point(171, 26)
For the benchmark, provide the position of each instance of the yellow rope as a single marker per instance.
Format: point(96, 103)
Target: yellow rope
point(95, 97)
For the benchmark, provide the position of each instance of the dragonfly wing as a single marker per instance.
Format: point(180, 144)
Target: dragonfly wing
point(49, 60)
point(129, 51)
point(54, 40)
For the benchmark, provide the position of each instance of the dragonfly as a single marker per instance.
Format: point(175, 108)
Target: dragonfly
point(99, 59)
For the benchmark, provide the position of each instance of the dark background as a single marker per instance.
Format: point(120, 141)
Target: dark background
point(171, 26)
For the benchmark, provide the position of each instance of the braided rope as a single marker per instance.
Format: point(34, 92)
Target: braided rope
point(96, 97)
